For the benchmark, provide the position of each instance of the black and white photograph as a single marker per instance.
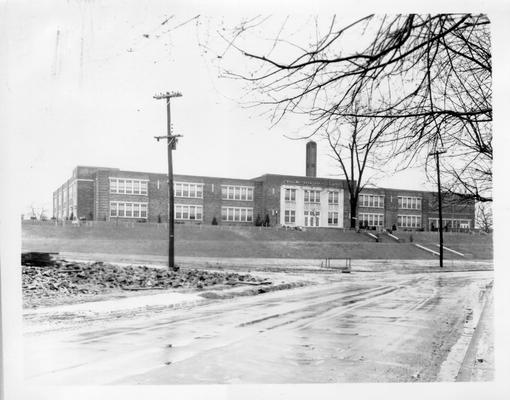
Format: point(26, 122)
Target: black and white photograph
point(218, 200)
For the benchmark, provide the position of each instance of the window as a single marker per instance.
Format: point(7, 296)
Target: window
point(189, 190)
point(237, 214)
point(143, 187)
point(128, 186)
point(410, 203)
point(121, 210)
point(368, 219)
point(371, 200)
point(333, 218)
point(290, 216)
point(451, 223)
point(128, 209)
point(409, 221)
point(113, 209)
point(113, 186)
point(312, 196)
point(244, 193)
point(188, 212)
point(290, 194)
point(332, 197)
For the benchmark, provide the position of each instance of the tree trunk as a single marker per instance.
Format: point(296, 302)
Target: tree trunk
point(354, 204)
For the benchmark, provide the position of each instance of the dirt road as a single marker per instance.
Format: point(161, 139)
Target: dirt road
point(364, 327)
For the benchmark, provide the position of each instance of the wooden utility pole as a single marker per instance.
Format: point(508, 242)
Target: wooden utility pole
point(440, 205)
point(171, 144)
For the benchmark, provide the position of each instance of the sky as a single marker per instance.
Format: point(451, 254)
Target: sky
point(81, 80)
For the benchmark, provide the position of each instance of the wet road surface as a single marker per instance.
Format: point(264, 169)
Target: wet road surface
point(364, 327)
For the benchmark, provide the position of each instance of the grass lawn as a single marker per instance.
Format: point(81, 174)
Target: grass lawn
point(216, 241)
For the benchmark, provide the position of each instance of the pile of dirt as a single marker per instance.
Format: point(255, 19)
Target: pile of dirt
point(74, 278)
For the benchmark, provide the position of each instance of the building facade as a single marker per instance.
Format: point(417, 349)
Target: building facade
point(106, 194)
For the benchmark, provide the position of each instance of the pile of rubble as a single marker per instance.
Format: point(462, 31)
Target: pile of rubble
point(74, 278)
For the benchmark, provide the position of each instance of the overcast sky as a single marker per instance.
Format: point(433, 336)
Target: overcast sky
point(81, 80)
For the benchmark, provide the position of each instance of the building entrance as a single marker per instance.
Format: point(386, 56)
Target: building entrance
point(312, 218)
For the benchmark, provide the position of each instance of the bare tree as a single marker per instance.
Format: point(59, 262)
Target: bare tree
point(429, 74)
point(353, 146)
point(484, 217)
point(42, 214)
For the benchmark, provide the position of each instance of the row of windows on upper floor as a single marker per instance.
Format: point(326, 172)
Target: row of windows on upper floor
point(311, 196)
point(365, 200)
point(245, 193)
point(181, 189)
point(377, 201)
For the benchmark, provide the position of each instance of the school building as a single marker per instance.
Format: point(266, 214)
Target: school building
point(96, 193)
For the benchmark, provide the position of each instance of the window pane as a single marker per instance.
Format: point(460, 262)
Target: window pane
point(192, 190)
point(249, 216)
point(199, 191)
point(185, 190)
point(143, 187)
point(223, 213)
point(199, 213)
point(224, 193)
point(121, 209)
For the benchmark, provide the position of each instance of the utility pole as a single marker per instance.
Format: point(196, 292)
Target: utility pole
point(171, 144)
point(440, 204)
